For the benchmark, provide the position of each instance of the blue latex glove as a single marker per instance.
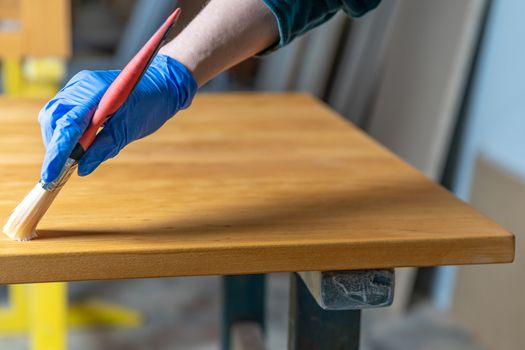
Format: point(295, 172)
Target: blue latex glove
point(164, 89)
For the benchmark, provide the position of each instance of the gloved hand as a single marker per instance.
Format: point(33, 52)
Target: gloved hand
point(164, 89)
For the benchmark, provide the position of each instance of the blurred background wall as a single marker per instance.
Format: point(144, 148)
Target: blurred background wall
point(440, 83)
point(489, 171)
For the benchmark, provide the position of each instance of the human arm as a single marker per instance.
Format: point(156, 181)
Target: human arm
point(227, 32)
point(223, 34)
point(211, 45)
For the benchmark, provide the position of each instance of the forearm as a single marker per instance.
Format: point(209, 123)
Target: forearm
point(223, 34)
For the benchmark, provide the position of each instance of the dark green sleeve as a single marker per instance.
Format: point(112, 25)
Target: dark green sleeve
point(295, 17)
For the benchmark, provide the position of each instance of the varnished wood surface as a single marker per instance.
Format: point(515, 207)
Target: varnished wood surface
point(237, 184)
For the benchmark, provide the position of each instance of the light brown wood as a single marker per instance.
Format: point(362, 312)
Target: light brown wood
point(9, 9)
point(237, 184)
point(43, 29)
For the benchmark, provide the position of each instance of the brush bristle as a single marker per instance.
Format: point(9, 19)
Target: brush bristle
point(22, 223)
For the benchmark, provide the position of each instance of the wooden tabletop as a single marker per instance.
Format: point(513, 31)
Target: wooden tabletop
point(239, 183)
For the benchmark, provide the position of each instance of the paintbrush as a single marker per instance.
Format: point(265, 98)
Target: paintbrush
point(22, 223)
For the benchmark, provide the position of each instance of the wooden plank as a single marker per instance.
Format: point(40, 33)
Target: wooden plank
point(9, 9)
point(36, 28)
point(9, 28)
point(237, 184)
point(9, 44)
point(46, 28)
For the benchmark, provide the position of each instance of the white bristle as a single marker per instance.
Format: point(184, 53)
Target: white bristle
point(22, 223)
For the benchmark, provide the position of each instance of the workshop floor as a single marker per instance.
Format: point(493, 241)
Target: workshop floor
point(183, 313)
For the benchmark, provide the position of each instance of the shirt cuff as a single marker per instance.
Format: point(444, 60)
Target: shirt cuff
point(295, 17)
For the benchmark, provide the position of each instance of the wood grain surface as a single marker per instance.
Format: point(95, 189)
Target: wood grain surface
point(239, 183)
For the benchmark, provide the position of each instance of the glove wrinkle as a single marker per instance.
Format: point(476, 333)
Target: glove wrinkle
point(166, 87)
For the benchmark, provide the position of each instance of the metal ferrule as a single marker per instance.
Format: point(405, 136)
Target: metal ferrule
point(68, 169)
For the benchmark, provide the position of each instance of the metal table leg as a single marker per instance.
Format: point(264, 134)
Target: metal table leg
point(325, 306)
point(243, 300)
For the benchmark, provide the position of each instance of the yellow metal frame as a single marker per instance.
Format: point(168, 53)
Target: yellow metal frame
point(41, 310)
point(41, 77)
point(14, 317)
point(47, 306)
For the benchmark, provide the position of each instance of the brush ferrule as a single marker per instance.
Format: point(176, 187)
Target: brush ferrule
point(68, 169)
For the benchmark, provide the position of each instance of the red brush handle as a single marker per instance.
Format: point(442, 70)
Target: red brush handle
point(121, 87)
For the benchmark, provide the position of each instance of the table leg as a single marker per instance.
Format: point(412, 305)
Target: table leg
point(48, 313)
point(351, 290)
point(311, 327)
point(243, 300)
